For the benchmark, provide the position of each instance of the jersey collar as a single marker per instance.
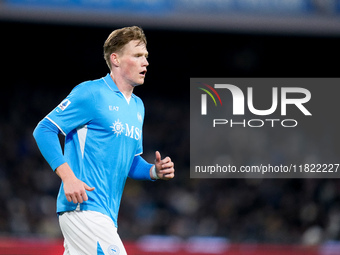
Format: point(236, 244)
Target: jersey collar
point(112, 85)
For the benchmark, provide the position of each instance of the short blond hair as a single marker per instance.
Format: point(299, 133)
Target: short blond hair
point(119, 38)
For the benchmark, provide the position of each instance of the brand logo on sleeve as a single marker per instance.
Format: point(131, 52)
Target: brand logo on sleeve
point(64, 104)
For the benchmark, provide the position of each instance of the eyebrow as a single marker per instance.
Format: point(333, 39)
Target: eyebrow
point(139, 44)
point(143, 54)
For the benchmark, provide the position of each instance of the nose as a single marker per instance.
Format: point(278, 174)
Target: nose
point(145, 62)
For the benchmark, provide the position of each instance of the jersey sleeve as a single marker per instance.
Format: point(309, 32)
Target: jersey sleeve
point(46, 136)
point(140, 169)
point(76, 110)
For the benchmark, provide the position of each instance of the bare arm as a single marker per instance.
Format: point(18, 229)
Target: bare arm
point(75, 189)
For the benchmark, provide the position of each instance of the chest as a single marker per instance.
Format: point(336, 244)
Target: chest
point(119, 118)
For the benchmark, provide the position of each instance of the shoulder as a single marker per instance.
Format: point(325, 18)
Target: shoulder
point(137, 98)
point(88, 88)
point(90, 85)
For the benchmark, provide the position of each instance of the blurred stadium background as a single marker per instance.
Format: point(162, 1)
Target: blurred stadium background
point(48, 47)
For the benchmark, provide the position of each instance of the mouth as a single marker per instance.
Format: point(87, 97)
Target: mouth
point(143, 73)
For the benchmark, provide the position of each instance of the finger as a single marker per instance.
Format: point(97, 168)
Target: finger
point(74, 199)
point(167, 171)
point(88, 188)
point(69, 198)
point(84, 194)
point(78, 198)
point(158, 157)
point(168, 165)
point(166, 160)
point(168, 176)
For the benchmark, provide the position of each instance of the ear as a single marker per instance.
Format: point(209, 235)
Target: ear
point(114, 57)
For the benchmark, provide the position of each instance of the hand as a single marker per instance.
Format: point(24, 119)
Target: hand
point(75, 189)
point(164, 167)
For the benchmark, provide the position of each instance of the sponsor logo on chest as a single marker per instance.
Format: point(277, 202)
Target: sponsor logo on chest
point(120, 128)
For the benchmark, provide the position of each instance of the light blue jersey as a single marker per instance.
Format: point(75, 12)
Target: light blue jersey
point(103, 135)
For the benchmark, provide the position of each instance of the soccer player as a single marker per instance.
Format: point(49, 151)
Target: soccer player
point(102, 121)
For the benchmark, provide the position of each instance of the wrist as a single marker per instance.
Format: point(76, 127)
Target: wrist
point(64, 172)
point(153, 173)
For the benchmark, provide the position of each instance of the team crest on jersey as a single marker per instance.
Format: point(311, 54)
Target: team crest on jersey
point(113, 250)
point(117, 127)
point(139, 117)
point(63, 105)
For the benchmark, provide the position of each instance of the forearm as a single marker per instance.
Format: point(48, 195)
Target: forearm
point(46, 136)
point(75, 189)
point(140, 169)
point(65, 172)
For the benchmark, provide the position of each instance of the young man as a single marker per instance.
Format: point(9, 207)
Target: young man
point(102, 121)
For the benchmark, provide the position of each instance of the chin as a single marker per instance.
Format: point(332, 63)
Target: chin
point(138, 83)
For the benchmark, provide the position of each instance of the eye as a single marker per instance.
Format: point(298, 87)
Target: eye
point(139, 55)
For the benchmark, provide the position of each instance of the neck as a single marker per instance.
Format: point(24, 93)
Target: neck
point(123, 87)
